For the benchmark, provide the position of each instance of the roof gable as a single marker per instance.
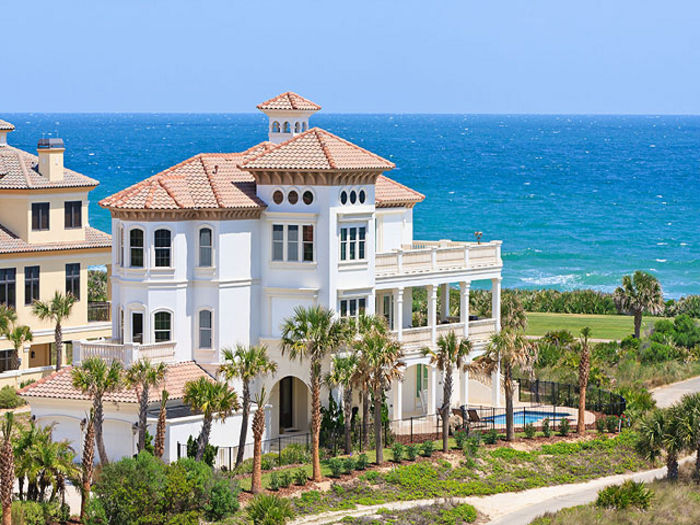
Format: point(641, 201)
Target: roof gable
point(289, 101)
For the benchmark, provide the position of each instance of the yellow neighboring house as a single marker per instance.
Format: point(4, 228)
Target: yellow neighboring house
point(46, 245)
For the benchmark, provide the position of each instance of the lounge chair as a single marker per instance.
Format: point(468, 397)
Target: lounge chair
point(474, 419)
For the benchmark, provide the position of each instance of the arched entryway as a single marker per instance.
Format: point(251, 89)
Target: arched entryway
point(291, 399)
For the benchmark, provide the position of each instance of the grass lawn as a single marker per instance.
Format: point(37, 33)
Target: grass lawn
point(602, 326)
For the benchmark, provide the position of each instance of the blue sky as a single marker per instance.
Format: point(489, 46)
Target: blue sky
point(462, 56)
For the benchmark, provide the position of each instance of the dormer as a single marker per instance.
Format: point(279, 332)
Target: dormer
point(288, 115)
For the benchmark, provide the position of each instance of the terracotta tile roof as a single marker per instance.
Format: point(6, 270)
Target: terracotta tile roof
point(205, 181)
point(317, 149)
point(59, 385)
point(11, 243)
point(388, 192)
point(18, 171)
point(6, 126)
point(289, 100)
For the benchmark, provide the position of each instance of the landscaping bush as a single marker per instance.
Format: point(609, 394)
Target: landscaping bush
point(611, 424)
point(529, 430)
point(349, 465)
point(362, 462)
point(546, 428)
point(658, 353)
point(274, 483)
point(491, 437)
point(300, 477)
point(600, 425)
point(427, 448)
point(336, 466)
point(397, 452)
point(463, 513)
point(9, 397)
point(266, 509)
point(471, 446)
point(209, 451)
point(608, 353)
point(564, 427)
point(460, 436)
point(223, 500)
point(285, 479)
point(629, 494)
point(411, 452)
point(34, 513)
point(293, 455)
point(686, 332)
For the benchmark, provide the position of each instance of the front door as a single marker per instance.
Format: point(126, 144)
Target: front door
point(137, 327)
point(286, 405)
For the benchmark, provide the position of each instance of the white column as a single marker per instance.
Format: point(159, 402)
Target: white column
point(464, 306)
point(432, 311)
point(397, 398)
point(496, 387)
point(432, 389)
point(445, 299)
point(398, 312)
point(496, 301)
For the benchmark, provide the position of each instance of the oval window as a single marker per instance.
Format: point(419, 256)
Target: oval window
point(362, 196)
point(293, 197)
point(343, 197)
point(278, 197)
point(308, 197)
point(353, 197)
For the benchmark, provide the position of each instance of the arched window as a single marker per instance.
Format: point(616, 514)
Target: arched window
point(162, 327)
point(287, 127)
point(162, 244)
point(297, 127)
point(303, 126)
point(136, 248)
point(275, 127)
point(205, 247)
point(205, 329)
point(121, 246)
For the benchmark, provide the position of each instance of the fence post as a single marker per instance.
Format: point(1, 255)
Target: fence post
point(279, 451)
point(411, 429)
point(230, 462)
point(178, 450)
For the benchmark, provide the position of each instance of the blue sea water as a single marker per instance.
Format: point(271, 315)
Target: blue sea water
point(577, 200)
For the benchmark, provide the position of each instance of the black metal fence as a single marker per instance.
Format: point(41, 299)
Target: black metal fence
point(99, 311)
point(481, 418)
point(539, 392)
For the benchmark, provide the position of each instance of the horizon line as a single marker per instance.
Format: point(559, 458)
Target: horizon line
point(524, 114)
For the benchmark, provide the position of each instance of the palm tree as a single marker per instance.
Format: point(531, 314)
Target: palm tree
point(508, 350)
point(690, 426)
point(87, 463)
point(450, 354)
point(584, 369)
point(96, 378)
point(7, 469)
point(210, 398)
point(313, 333)
point(258, 431)
point(141, 376)
point(159, 444)
point(8, 317)
point(513, 314)
point(659, 431)
point(56, 310)
point(246, 363)
point(52, 464)
point(343, 369)
point(382, 355)
point(639, 292)
point(18, 335)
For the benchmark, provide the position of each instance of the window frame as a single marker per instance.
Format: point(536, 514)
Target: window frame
point(352, 243)
point(346, 305)
point(304, 248)
point(156, 330)
point(200, 246)
point(32, 284)
point(72, 280)
point(41, 210)
point(168, 249)
point(8, 283)
point(210, 329)
point(141, 248)
point(69, 210)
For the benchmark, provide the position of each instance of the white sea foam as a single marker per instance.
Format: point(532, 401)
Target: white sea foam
point(684, 244)
point(662, 244)
point(660, 260)
point(560, 280)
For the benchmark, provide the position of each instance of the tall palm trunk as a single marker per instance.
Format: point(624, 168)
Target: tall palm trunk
point(159, 447)
point(244, 423)
point(584, 367)
point(508, 387)
point(14, 363)
point(203, 439)
point(445, 410)
point(88, 460)
point(58, 333)
point(99, 421)
point(365, 418)
point(637, 323)
point(258, 430)
point(7, 475)
point(696, 474)
point(378, 446)
point(315, 419)
point(347, 417)
point(143, 412)
point(672, 466)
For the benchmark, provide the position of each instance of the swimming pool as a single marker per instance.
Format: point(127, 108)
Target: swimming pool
point(523, 417)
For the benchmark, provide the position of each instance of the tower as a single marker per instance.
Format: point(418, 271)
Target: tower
point(288, 115)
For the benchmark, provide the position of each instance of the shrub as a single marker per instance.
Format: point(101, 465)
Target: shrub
point(274, 483)
point(600, 425)
point(336, 466)
point(362, 462)
point(529, 430)
point(300, 477)
point(265, 509)
point(546, 428)
point(629, 494)
point(34, 513)
point(349, 465)
point(397, 452)
point(285, 479)
point(209, 451)
point(411, 452)
point(427, 448)
point(460, 436)
point(471, 445)
point(268, 461)
point(607, 353)
point(491, 436)
point(658, 353)
point(611, 423)
point(95, 513)
point(9, 398)
point(294, 454)
point(564, 427)
point(223, 500)
point(463, 513)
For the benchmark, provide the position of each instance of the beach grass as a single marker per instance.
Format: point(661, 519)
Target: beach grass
point(602, 326)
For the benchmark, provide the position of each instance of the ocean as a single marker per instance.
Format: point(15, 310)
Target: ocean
point(578, 201)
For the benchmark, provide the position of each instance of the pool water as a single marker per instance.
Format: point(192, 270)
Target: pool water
point(530, 416)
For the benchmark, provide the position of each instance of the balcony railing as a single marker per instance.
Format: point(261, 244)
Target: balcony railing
point(99, 311)
point(127, 353)
point(479, 331)
point(431, 256)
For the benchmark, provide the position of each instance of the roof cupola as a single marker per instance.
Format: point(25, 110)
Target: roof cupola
point(5, 128)
point(288, 115)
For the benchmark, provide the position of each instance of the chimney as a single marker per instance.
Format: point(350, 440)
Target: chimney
point(5, 128)
point(51, 159)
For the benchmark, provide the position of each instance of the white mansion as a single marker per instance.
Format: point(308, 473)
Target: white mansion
point(219, 249)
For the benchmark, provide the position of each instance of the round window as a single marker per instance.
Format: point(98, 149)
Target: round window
point(353, 197)
point(343, 197)
point(362, 196)
point(292, 197)
point(308, 197)
point(278, 197)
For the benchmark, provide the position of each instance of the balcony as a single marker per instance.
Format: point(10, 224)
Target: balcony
point(479, 331)
point(127, 353)
point(439, 256)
